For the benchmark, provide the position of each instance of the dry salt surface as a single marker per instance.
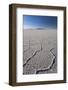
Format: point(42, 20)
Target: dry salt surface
point(39, 52)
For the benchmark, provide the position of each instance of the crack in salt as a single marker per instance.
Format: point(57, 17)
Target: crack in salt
point(37, 51)
point(50, 66)
point(31, 57)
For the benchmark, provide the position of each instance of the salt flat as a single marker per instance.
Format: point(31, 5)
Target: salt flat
point(38, 49)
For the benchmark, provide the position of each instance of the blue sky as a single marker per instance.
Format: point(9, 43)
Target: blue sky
point(39, 22)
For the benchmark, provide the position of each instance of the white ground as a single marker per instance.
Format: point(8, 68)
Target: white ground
point(37, 46)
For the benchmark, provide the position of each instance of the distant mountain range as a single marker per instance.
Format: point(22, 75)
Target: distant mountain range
point(35, 28)
point(39, 29)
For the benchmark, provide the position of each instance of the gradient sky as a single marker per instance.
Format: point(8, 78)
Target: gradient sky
point(39, 22)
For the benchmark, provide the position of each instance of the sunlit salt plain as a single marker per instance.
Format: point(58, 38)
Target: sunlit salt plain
point(37, 54)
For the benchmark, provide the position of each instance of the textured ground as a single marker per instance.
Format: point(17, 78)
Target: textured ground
point(40, 51)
